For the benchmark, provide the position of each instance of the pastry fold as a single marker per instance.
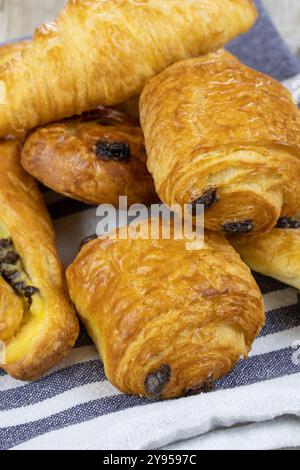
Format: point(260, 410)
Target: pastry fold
point(167, 321)
point(13, 51)
point(95, 158)
point(223, 135)
point(275, 254)
point(104, 51)
point(37, 322)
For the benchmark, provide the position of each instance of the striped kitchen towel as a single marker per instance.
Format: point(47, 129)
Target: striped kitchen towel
point(256, 406)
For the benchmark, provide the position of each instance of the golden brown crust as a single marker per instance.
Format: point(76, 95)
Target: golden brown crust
point(49, 326)
point(96, 52)
point(167, 321)
point(213, 124)
point(64, 157)
point(275, 254)
point(13, 51)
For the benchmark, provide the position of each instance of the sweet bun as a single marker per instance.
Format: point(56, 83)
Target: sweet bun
point(95, 158)
point(37, 321)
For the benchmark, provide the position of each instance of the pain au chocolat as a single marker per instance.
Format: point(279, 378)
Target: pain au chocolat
point(223, 135)
point(167, 321)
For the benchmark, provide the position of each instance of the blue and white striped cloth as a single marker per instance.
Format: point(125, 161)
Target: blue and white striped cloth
point(256, 406)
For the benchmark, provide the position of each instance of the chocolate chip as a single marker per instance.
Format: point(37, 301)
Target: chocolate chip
point(86, 240)
point(19, 287)
point(245, 226)
point(207, 200)
point(5, 243)
point(10, 276)
point(118, 151)
point(11, 258)
point(202, 387)
point(156, 381)
point(29, 292)
point(288, 222)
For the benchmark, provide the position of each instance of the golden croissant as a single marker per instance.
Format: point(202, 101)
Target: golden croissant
point(37, 322)
point(95, 158)
point(276, 253)
point(167, 321)
point(13, 51)
point(225, 136)
point(101, 52)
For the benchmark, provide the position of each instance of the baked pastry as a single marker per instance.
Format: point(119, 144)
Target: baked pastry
point(13, 51)
point(223, 135)
point(104, 51)
point(276, 253)
point(94, 158)
point(167, 321)
point(37, 321)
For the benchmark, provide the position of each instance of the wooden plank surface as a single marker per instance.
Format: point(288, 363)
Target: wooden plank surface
point(20, 17)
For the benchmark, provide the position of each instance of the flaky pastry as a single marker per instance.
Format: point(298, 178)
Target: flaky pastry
point(13, 51)
point(94, 158)
point(101, 52)
point(37, 322)
point(167, 321)
point(223, 135)
point(276, 253)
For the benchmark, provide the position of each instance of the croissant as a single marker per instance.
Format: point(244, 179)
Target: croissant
point(276, 253)
point(37, 322)
point(220, 134)
point(104, 51)
point(167, 321)
point(13, 51)
point(94, 158)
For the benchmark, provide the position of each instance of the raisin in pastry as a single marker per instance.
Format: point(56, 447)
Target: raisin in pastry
point(94, 158)
point(167, 321)
point(223, 135)
point(37, 322)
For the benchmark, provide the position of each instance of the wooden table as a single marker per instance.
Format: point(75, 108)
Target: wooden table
point(19, 17)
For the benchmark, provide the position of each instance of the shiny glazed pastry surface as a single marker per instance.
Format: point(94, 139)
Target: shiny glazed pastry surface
point(37, 321)
point(167, 321)
point(275, 254)
point(104, 51)
point(94, 158)
point(221, 134)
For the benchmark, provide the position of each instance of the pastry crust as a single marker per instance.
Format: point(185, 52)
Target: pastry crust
point(166, 321)
point(37, 320)
point(275, 254)
point(13, 51)
point(72, 157)
point(227, 136)
point(104, 51)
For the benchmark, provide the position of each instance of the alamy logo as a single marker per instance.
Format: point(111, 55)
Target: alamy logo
point(2, 352)
point(175, 222)
point(296, 354)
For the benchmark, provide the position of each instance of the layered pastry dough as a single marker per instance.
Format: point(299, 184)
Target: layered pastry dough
point(13, 51)
point(37, 321)
point(276, 253)
point(223, 135)
point(104, 51)
point(167, 321)
point(94, 158)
